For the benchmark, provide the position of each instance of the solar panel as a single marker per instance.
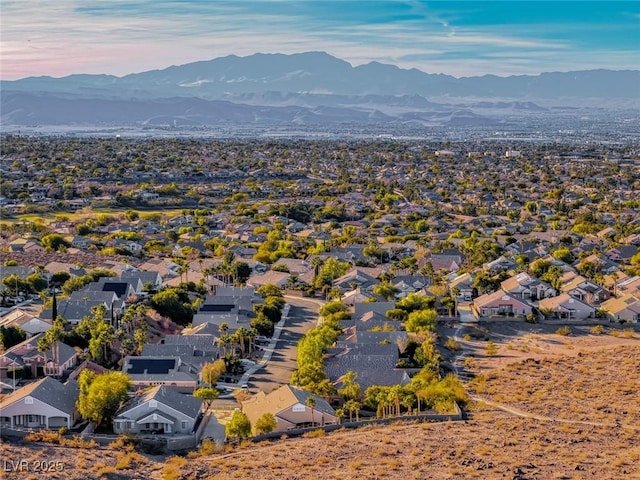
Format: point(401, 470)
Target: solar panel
point(217, 308)
point(151, 365)
point(118, 288)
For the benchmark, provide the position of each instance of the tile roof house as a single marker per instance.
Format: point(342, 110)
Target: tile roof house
point(587, 291)
point(625, 308)
point(159, 410)
point(294, 265)
point(46, 403)
point(194, 350)
point(355, 277)
point(26, 355)
point(146, 371)
point(525, 286)
point(288, 404)
point(410, 284)
point(271, 277)
point(373, 362)
point(379, 307)
point(500, 303)
point(145, 277)
point(622, 253)
point(25, 320)
point(73, 311)
point(565, 306)
point(464, 285)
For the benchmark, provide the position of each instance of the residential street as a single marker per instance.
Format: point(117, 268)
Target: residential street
point(302, 317)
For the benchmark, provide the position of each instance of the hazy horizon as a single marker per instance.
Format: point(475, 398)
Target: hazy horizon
point(460, 38)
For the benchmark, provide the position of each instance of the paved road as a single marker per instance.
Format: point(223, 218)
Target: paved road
point(302, 316)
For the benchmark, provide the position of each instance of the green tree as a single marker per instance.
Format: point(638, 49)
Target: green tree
point(36, 282)
point(413, 302)
point(269, 290)
point(563, 254)
point(386, 290)
point(238, 426)
point(211, 371)
point(206, 394)
point(422, 321)
point(173, 303)
point(102, 395)
point(15, 285)
point(74, 284)
point(353, 406)
point(266, 423)
point(10, 336)
point(54, 241)
point(330, 270)
point(262, 325)
point(350, 390)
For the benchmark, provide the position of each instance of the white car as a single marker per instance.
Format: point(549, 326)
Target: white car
point(247, 362)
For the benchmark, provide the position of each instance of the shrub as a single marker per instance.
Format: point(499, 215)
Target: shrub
point(563, 331)
point(597, 330)
point(452, 344)
point(209, 447)
point(491, 349)
point(315, 433)
point(126, 441)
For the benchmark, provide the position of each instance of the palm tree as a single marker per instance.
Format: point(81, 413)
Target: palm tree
point(311, 402)
point(353, 406)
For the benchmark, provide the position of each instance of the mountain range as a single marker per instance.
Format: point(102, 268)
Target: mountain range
point(312, 88)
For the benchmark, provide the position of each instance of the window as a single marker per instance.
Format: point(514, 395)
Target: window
point(28, 401)
point(298, 408)
point(184, 425)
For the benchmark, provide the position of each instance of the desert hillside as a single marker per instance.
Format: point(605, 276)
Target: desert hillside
point(573, 417)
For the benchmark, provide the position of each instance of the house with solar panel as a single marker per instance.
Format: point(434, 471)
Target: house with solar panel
point(149, 371)
point(230, 305)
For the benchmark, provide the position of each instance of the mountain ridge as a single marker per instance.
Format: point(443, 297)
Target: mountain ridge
point(259, 86)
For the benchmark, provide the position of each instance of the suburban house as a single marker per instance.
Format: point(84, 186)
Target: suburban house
point(498, 265)
point(271, 277)
point(153, 279)
point(122, 288)
point(564, 306)
point(409, 284)
point(146, 371)
point(25, 320)
point(46, 403)
point(159, 410)
point(193, 350)
point(500, 303)
point(290, 407)
point(58, 358)
point(585, 290)
point(525, 286)
point(355, 278)
point(625, 308)
point(464, 286)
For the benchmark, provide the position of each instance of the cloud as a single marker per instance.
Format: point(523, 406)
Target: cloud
point(123, 36)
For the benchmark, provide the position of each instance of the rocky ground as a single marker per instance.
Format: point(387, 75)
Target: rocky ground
point(513, 434)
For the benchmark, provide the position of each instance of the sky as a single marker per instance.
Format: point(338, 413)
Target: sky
point(460, 38)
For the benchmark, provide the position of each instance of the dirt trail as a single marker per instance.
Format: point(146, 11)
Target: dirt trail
point(544, 418)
